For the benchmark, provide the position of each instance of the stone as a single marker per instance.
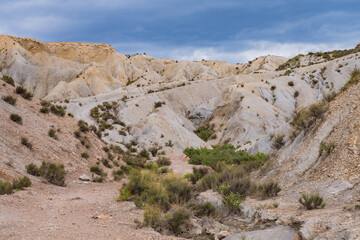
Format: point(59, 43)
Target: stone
point(223, 234)
point(84, 177)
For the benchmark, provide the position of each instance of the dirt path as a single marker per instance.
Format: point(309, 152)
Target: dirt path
point(78, 211)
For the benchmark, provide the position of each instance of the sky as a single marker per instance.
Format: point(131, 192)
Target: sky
point(226, 30)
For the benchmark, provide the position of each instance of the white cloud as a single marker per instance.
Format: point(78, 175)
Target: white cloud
point(249, 50)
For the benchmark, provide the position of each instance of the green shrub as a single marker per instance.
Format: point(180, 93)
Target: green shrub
point(16, 118)
point(52, 133)
point(269, 189)
point(21, 183)
point(9, 80)
point(10, 100)
point(223, 153)
point(176, 219)
point(124, 195)
point(158, 104)
point(278, 141)
point(20, 90)
point(164, 170)
point(85, 155)
point(145, 154)
point(134, 161)
point(305, 117)
point(106, 163)
point(45, 103)
point(163, 161)
point(154, 218)
point(197, 174)
point(206, 131)
point(354, 79)
point(233, 201)
point(44, 110)
point(83, 126)
point(58, 110)
point(205, 209)
point(178, 188)
point(26, 143)
point(311, 201)
point(153, 150)
point(235, 178)
point(98, 171)
point(126, 169)
point(116, 149)
point(326, 147)
point(330, 96)
point(296, 94)
point(169, 144)
point(52, 172)
point(118, 174)
point(77, 134)
point(23, 92)
point(151, 165)
point(32, 169)
point(291, 83)
point(6, 188)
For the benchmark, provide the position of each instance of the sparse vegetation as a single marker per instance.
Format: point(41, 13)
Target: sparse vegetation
point(44, 110)
point(198, 173)
point(269, 189)
point(354, 79)
point(312, 201)
point(163, 161)
point(18, 184)
point(158, 104)
point(9, 80)
point(54, 173)
point(305, 117)
point(9, 99)
point(16, 118)
point(23, 92)
point(206, 131)
point(58, 110)
point(326, 148)
point(278, 141)
point(83, 126)
point(85, 155)
point(52, 133)
point(26, 143)
point(205, 209)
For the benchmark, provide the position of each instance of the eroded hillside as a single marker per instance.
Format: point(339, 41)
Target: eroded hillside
point(141, 113)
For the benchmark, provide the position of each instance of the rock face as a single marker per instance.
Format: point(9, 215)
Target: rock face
point(62, 70)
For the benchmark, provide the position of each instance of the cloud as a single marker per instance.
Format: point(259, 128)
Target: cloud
point(249, 50)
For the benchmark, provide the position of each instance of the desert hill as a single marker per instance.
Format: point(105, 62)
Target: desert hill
point(301, 112)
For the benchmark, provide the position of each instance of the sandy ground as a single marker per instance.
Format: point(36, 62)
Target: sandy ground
point(78, 211)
